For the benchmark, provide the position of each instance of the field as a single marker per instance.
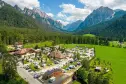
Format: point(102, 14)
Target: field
point(117, 57)
point(41, 44)
point(89, 35)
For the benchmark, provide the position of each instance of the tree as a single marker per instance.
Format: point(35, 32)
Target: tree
point(82, 75)
point(91, 78)
point(85, 64)
point(36, 47)
point(106, 80)
point(3, 48)
point(78, 56)
point(9, 66)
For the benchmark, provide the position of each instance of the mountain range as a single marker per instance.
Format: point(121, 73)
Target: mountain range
point(105, 27)
point(102, 21)
point(73, 26)
point(26, 18)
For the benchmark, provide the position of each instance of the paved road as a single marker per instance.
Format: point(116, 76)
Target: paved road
point(27, 76)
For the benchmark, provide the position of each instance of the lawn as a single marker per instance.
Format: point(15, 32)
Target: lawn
point(32, 67)
point(117, 57)
point(41, 44)
point(89, 35)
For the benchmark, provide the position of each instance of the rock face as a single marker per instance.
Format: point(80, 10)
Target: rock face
point(40, 16)
point(73, 26)
point(1, 3)
point(99, 15)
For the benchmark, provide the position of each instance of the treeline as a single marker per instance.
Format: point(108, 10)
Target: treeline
point(11, 35)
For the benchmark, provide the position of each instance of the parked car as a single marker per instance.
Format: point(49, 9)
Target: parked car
point(52, 79)
point(78, 63)
point(68, 68)
point(43, 65)
point(56, 62)
point(36, 75)
point(29, 70)
point(72, 67)
point(27, 67)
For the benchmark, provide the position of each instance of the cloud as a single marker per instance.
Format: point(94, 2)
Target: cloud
point(50, 14)
point(61, 15)
point(63, 22)
point(71, 13)
point(114, 4)
point(24, 3)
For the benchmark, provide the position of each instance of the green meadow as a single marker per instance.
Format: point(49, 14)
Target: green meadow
point(117, 57)
point(41, 44)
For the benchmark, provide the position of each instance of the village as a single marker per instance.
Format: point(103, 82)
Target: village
point(49, 65)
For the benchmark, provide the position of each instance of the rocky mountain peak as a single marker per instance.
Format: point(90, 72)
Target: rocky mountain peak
point(99, 15)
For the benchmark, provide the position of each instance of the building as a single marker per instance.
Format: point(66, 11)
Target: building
point(52, 73)
point(57, 55)
point(25, 52)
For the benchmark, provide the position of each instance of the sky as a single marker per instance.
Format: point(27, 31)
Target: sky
point(68, 11)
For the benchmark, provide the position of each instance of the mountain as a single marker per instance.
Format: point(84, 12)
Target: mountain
point(114, 27)
point(99, 15)
point(73, 26)
point(42, 17)
point(11, 17)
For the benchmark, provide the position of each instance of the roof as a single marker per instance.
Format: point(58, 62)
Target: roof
point(57, 74)
point(50, 73)
point(57, 54)
point(24, 51)
point(61, 80)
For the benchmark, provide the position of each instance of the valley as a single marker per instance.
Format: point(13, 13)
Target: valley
point(62, 42)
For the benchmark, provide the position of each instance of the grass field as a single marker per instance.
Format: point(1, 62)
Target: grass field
point(41, 44)
point(89, 35)
point(117, 57)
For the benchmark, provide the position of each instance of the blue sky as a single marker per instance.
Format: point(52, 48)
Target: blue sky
point(53, 5)
point(68, 11)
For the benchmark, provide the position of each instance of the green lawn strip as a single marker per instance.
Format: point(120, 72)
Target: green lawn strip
point(32, 67)
point(41, 44)
point(25, 62)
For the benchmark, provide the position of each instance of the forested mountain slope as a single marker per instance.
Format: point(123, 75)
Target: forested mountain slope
point(11, 17)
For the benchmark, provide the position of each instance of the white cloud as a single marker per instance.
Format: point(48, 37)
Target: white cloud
point(61, 15)
point(24, 3)
point(114, 4)
point(50, 14)
point(70, 13)
point(63, 22)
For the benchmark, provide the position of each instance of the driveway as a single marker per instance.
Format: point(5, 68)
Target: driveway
point(26, 75)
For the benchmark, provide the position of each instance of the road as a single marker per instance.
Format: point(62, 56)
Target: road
point(27, 76)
